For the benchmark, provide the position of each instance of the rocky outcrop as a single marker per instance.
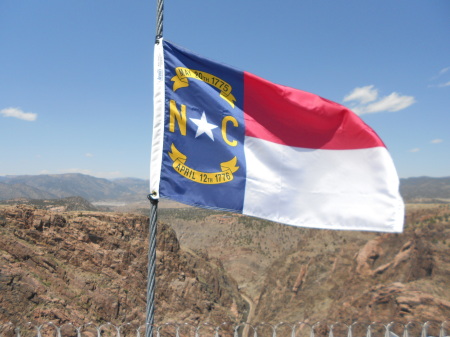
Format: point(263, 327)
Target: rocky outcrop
point(367, 256)
point(301, 277)
point(91, 266)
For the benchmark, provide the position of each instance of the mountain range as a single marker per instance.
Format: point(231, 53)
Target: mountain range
point(425, 188)
point(128, 190)
point(53, 186)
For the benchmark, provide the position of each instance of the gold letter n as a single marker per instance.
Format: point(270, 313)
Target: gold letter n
point(179, 116)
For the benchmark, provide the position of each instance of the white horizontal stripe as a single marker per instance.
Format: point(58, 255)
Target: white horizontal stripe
point(330, 189)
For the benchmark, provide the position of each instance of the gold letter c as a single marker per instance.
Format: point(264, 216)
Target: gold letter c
point(224, 129)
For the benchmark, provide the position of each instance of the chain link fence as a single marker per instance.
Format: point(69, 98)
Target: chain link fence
point(298, 329)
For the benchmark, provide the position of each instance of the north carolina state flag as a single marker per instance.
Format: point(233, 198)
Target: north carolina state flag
point(227, 139)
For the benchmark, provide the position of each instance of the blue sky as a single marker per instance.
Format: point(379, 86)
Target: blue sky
point(76, 75)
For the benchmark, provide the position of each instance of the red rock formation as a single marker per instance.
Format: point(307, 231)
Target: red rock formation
point(90, 266)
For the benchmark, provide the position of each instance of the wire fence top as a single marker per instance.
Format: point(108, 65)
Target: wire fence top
point(262, 329)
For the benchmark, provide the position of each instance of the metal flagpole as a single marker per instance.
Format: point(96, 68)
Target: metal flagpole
point(151, 274)
point(159, 19)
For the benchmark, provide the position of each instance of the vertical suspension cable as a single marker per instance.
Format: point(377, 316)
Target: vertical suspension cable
point(151, 273)
point(159, 20)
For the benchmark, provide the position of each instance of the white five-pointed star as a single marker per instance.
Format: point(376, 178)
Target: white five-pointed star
point(203, 126)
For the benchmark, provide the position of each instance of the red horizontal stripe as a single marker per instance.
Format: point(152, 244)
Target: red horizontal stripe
point(297, 118)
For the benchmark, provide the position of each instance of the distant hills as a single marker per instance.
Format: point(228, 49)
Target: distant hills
point(59, 205)
point(54, 186)
point(414, 189)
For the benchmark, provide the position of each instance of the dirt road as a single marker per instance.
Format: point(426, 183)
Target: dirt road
point(251, 314)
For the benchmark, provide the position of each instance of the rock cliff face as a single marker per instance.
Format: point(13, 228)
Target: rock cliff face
point(91, 266)
point(364, 277)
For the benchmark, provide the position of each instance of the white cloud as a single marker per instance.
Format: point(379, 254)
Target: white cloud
point(98, 174)
point(391, 103)
point(441, 72)
point(436, 141)
point(415, 150)
point(18, 113)
point(438, 76)
point(365, 101)
point(89, 155)
point(77, 170)
point(108, 175)
point(363, 94)
point(105, 174)
point(446, 84)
